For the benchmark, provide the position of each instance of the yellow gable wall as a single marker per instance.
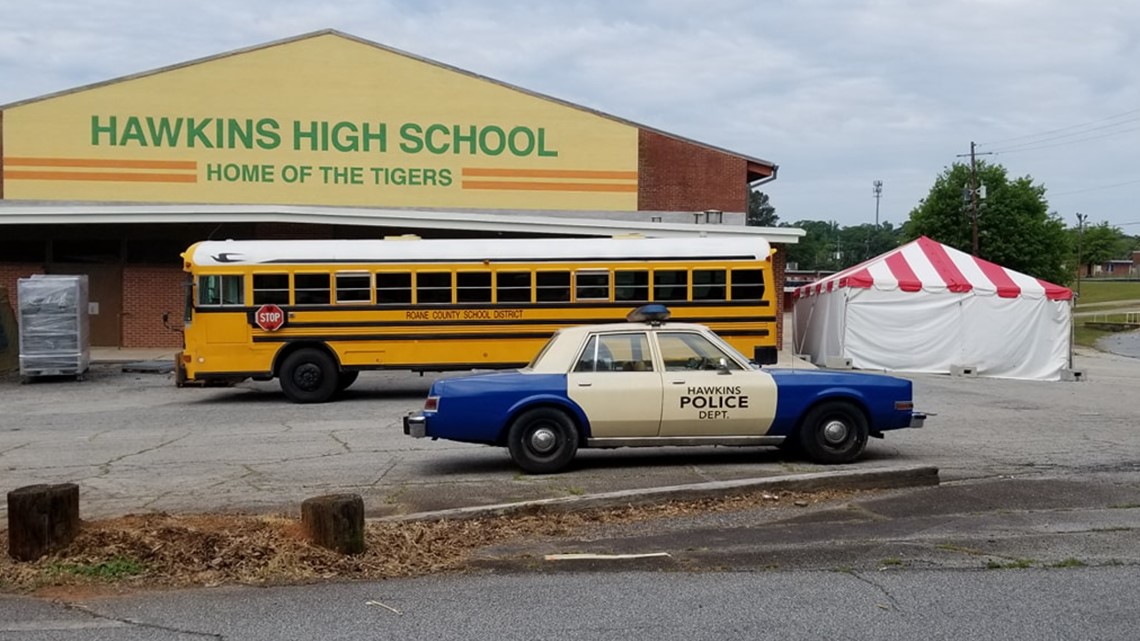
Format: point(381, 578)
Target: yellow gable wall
point(320, 120)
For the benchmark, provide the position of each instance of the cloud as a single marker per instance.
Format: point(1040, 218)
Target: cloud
point(838, 92)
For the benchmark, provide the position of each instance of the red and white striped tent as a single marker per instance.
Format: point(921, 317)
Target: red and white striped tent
point(926, 307)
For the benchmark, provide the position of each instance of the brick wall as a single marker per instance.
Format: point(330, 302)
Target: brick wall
point(12, 272)
point(147, 293)
point(675, 175)
point(779, 265)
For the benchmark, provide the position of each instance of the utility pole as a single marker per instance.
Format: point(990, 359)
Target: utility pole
point(877, 189)
point(974, 191)
point(1080, 237)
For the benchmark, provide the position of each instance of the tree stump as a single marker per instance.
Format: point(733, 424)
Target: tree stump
point(335, 521)
point(41, 519)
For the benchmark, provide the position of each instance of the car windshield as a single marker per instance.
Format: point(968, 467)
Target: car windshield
point(538, 356)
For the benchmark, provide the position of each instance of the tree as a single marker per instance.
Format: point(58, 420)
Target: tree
point(817, 249)
point(761, 213)
point(1099, 244)
point(865, 241)
point(828, 247)
point(1015, 227)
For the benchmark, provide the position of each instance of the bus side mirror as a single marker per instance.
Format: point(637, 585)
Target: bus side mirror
point(765, 355)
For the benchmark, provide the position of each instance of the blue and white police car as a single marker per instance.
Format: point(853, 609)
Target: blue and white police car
point(649, 383)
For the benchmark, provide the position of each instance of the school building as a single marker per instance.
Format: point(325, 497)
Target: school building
point(321, 136)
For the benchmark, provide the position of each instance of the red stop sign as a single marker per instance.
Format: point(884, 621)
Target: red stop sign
point(269, 317)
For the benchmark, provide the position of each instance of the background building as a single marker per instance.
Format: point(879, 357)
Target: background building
point(327, 136)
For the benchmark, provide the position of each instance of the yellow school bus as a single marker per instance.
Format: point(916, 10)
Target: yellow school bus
point(315, 313)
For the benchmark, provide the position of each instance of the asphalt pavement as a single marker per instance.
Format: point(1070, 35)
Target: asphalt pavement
point(1033, 533)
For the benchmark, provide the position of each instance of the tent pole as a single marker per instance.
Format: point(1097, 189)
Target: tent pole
point(1072, 329)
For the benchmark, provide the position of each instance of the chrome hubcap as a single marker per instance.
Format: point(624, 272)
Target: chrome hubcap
point(542, 440)
point(835, 432)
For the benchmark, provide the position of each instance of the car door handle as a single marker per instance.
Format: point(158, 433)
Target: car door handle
point(584, 384)
point(678, 382)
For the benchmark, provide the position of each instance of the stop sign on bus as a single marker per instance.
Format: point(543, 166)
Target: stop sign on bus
point(269, 317)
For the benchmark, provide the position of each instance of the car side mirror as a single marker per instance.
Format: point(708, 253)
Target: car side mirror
point(765, 355)
point(722, 366)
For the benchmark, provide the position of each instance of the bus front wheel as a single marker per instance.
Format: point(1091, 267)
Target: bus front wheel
point(309, 376)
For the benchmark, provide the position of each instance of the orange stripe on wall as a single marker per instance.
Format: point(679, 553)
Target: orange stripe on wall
point(99, 162)
point(549, 173)
point(536, 186)
point(99, 176)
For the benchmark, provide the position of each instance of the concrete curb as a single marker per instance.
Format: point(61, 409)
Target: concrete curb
point(880, 478)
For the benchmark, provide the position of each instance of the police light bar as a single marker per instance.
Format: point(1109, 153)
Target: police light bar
point(652, 314)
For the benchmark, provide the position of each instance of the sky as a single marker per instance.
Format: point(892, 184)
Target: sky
point(838, 93)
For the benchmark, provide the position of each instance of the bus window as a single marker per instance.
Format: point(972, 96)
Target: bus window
point(631, 286)
point(433, 287)
point(393, 288)
point(271, 288)
point(353, 287)
point(670, 285)
point(221, 291)
point(473, 287)
point(312, 289)
point(592, 285)
point(708, 284)
point(512, 287)
point(747, 284)
point(552, 287)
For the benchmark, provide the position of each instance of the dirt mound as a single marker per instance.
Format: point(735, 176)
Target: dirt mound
point(182, 550)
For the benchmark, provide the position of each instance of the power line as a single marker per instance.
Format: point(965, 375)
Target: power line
point(1016, 150)
point(1035, 143)
point(1081, 191)
point(1060, 129)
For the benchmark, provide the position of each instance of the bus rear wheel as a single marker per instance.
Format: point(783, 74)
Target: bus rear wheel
point(309, 376)
point(345, 380)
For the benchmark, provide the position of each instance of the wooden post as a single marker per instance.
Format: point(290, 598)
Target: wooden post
point(335, 521)
point(41, 519)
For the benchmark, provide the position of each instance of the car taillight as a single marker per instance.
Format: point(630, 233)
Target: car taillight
point(904, 406)
point(431, 404)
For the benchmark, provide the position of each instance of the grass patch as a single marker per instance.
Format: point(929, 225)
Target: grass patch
point(1016, 564)
point(1088, 336)
point(892, 561)
point(1069, 563)
point(109, 570)
point(1124, 506)
point(1102, 291)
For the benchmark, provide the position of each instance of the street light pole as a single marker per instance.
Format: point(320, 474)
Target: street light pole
point(1080, 238)
point(877, 189)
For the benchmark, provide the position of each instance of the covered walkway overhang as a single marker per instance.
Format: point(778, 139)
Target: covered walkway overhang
point(491, 222)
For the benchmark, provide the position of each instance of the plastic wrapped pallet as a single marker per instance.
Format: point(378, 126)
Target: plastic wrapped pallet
point(54, 326)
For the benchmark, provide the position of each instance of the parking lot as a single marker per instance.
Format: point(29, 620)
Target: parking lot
point(134, 442)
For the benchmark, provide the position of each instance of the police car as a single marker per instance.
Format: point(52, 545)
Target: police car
point(649, 383)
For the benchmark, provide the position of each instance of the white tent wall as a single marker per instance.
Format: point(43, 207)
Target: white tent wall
point(1024, 338)
point(902, 331)
point(819, 325)
point(931, 332)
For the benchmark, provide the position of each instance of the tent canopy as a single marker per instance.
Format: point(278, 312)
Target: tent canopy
point(926, 307)
point(927, 265)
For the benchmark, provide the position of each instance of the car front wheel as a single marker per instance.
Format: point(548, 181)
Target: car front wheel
point(542, 440)
point(833, 432)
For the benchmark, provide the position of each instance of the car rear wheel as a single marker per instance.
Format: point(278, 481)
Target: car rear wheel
point(833, 432)
point(542, 440)
point(309, 376)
